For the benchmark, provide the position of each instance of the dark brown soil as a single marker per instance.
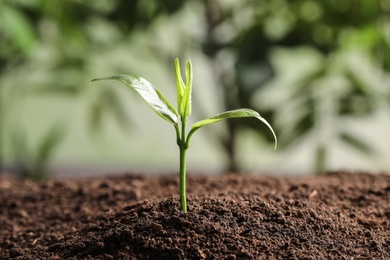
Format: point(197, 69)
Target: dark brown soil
point(337, 216)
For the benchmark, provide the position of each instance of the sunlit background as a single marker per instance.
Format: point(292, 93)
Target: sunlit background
point(318, 71)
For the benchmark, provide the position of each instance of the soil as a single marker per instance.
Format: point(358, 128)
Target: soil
point(337, 216)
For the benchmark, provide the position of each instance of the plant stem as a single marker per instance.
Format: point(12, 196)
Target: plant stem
point(183, 198)
point(183, 146)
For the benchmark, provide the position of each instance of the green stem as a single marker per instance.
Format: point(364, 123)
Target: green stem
point(183, 146)
point(183, 197)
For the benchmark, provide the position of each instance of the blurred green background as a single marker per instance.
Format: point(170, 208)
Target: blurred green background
point(318, 71)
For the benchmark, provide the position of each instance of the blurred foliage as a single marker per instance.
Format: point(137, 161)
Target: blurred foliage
point(32, 162)
point(54, 46)
point(335, 31)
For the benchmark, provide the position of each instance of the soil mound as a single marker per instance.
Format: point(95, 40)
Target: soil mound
point(340, 215)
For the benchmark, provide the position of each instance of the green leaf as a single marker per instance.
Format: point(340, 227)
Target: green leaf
point(95, 116)
point(19, 145)
point(179, 86)
point(238, 113)
point(18, 28)
point(48, 144)
point(186, 101)
point(150, 94)
point(184, 91)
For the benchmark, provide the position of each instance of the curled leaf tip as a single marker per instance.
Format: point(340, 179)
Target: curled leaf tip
point(97, 79)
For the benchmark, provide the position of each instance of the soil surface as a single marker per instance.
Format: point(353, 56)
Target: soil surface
point(336, 216)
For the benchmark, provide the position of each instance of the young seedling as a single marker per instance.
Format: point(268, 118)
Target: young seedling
point(178, 118)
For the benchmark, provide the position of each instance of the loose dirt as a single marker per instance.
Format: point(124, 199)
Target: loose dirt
point(337, 216)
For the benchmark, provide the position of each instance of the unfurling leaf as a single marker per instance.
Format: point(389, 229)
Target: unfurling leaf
point(183, 91)
point(186, 101)
point(150, 94)
point(179, 86)
point(238, 113)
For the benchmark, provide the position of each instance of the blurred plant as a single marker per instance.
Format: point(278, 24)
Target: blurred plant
point(16, 33)
point(33, 162)
point(322, 100)
point(248, 32)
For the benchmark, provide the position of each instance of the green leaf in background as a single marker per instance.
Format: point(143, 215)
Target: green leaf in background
point(107, 101)
point(238, 113)
point(356, 143)
point(19, 146)
point(50, 141)
point(18, 28)
point(150, 94)
point(95, 116)
point(33, 162)
point(320, 159)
